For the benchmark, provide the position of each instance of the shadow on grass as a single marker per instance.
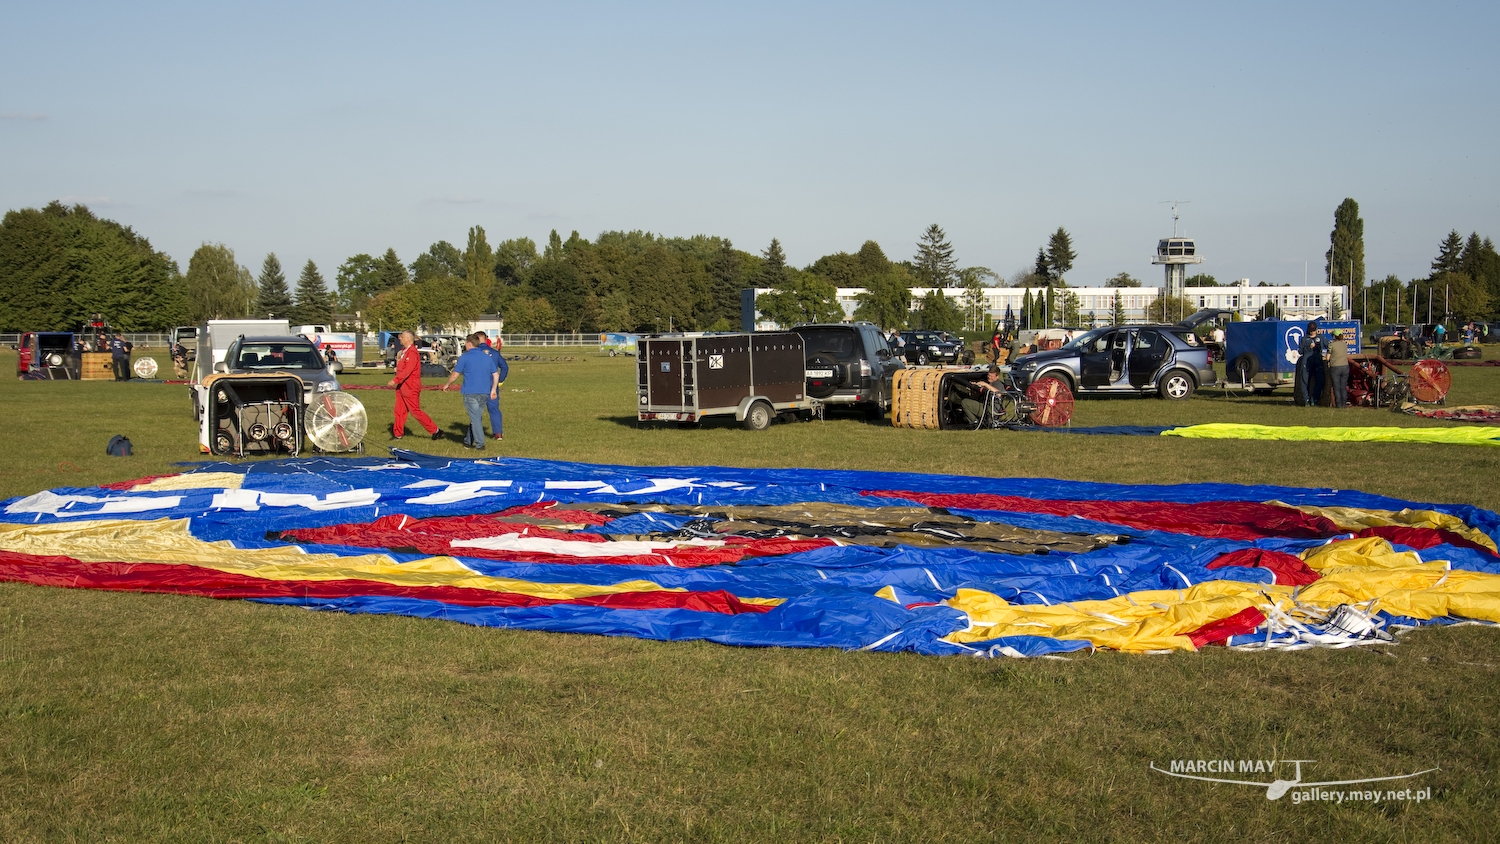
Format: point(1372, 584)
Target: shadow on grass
point(729, 421)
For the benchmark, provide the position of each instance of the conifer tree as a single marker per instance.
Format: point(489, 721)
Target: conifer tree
point(1042, 269)
point(272, 299)
point(1450, 254)
point(314, 305)
point(1345, 258)
point(1060, 255)
point(773, 270)
point(934, 262)
point(393, 273)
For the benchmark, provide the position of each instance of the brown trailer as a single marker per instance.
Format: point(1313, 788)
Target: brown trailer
point(752, 377)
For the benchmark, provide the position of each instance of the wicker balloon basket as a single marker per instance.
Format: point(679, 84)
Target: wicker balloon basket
point(917, 398)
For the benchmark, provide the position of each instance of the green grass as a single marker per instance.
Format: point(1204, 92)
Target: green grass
point(145, 717)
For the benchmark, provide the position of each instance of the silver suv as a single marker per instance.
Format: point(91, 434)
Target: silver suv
point(280, 355)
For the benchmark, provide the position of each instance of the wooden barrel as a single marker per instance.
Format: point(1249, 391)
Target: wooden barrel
point(97, 366)
point(917, 398)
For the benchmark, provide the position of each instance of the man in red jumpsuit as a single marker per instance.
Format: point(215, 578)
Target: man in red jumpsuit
point(408, 384)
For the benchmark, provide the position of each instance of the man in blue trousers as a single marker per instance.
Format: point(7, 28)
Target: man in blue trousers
point(496, 427)
point(481, 383)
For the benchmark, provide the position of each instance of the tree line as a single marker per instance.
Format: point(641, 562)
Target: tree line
point(60, 264)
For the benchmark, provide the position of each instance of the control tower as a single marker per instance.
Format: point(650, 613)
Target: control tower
point(1175, 253)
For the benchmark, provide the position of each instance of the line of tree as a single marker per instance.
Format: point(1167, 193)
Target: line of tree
point(1464, 284)
point(59, 265)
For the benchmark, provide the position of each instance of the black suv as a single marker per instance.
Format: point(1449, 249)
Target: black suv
point(849, 364)
point(924, 347)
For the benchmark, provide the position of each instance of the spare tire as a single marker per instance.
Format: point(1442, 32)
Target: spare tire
point(822, 386)
point(1244, 368)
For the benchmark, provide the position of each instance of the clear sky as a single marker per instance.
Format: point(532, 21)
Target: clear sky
point(321, 130)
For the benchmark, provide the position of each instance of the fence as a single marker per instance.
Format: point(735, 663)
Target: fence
point(587, 340)
point(140, 341)
point(154, 341)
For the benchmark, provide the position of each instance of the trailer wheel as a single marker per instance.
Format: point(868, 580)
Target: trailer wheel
point(758, 417)
point(1244, 367)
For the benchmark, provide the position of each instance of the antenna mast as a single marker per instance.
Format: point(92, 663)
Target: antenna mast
point(1174, 203)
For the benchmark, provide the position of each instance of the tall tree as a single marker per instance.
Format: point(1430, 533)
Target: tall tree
point(1344, 263)
point(272, 299)
point(1042, 269)
point(217, 287)
point(1122, 279)
point(479, 269)
point(773, 270)
point(1450, 254)
point(934, 262)
point(728, 278)
point(886, 300)
point(1200, 280)
point(60, 264)
point(872, 260)
point(514, 259)
point(803, 297)
point(393, 273)
point(939, 313)
point(1117, 311)
point(314, 306)
point(358, 279)
point(441, 259)
point(1060, 254)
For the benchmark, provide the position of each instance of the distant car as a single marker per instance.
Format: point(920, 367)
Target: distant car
point(1168, 360)
point(924, 347)
point(849, 364)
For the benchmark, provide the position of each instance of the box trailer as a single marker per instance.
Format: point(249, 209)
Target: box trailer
point(752, 377)
point(1264, 353)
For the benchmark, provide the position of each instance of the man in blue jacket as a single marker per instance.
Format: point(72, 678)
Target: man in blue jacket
point(119, 355)
point(481, 383)
point(495, 424)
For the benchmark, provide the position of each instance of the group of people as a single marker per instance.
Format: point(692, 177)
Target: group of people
point(482, 368)
point(1320, 358)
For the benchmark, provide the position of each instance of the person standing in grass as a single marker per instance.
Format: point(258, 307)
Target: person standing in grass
point(1338, 370)
point(119, 356)
point(496, 428)
point(408, 384)
point(481, 383)
point(1310, 373)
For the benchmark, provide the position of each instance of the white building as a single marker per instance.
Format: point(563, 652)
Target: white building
point(1096, 304)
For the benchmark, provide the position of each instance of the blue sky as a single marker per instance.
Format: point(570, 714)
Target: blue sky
point(321, 130)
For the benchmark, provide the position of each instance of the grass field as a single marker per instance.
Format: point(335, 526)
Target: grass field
point(146, 717)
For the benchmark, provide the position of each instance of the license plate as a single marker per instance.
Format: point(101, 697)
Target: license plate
point(819, 373)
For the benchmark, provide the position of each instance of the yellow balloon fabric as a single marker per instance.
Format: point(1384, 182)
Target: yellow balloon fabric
point(168, 541)
point(1354, 571)
point(1481, 435)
